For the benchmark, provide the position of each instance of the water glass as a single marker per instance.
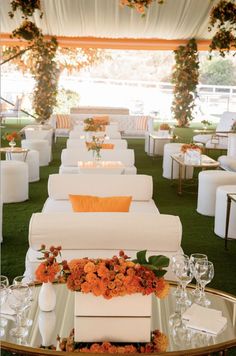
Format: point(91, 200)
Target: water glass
point(195, 257)
point(18, 297)
point(3, 297)
point(19, 280)
point(184, 273)
point(204, 271)
point(4, 280)
point(175, 262)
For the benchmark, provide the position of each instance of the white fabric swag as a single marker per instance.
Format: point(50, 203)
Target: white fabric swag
point(175, 19)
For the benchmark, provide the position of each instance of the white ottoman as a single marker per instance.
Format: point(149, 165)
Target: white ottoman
point(14, 181)
point(220, 212)
point(32, 159)
point(169, 149)
point(208, 182)
point(43, 148)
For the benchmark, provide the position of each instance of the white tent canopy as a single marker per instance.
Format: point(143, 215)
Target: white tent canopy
point(175, 19)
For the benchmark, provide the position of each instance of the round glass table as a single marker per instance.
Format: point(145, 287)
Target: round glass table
point(46, 326)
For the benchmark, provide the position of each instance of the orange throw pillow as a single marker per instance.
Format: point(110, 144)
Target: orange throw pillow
point(101, 120)
point(89, 203)
point(107, 146)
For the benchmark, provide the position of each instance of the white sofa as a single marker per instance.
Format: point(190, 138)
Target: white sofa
point(228, 162)
point(130, 125)
point(80, 143)
point(70, 158)
point(102, 234)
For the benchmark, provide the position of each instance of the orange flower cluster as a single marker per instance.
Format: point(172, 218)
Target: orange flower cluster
point(139, 5)
point(190, 146)
point(47, 270)
point(114, 277)
point(10, 136)
point(164, 127)
point(158, 343)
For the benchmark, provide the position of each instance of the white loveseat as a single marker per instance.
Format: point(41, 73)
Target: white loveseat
point(102, 234)
point(70, 158)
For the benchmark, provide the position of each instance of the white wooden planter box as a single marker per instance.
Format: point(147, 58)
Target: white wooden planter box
point(120, 319)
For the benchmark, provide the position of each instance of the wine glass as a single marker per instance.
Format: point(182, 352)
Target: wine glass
point(18, 297)
point(184, 273)
point(3, 297)
point(28, 280)
point(176, 260)
point(4, 280)
point(204, 271)
point(195, 257)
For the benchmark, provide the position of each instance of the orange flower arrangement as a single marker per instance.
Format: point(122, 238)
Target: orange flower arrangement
point(190, 146)
point(158, 343)
point(10, 136)
point(49, 268)
point(111, 277)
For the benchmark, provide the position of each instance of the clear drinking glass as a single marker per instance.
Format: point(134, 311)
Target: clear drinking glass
point(3, 297)
point(204, 271)
point(4, 280)
point(18, 297)
point(28, 280)
point(195, 257)
point(184, 273)
point(175, 262)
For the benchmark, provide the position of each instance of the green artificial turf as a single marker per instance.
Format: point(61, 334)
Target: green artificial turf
point(198, 234)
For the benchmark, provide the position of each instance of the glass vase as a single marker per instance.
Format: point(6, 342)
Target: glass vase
point(12, 143)
point(97, 156)
point(47, 297)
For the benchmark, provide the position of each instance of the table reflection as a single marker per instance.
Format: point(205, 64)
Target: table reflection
point(166, 317)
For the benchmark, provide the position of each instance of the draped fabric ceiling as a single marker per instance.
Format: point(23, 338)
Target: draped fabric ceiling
point(105, 24)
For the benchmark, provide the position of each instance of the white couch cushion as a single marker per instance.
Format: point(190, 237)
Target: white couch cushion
point(75, 170)
point(60, 206)
point(70, 157)
point(80, 144)
point(106, 231)
point(140, 187)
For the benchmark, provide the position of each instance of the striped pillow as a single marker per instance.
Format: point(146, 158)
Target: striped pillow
point(63, 122)
point(141, 123)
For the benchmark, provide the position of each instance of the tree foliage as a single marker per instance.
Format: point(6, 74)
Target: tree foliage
point(218, 72)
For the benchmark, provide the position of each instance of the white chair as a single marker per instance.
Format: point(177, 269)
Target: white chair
point(14, 112)
point(208, 182)
point(228, 162)
point(62, 125)
point(31, 134)
point(43, 148)
point(225, 125)
point(170, 149)
point(14, 181)
point(220, 212)
point(32, 159)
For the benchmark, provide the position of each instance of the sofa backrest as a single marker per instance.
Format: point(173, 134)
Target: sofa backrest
point(140, 187)
point(78, 143)
point(71, 156)
point(226, 122)
point(106, 231)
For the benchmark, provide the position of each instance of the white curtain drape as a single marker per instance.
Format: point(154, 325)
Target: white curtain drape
point(175, 19)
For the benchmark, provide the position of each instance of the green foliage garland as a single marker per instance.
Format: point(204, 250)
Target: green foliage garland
point(46, 74)
point(223, 16)
point(185, 80)
point(43, 67)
